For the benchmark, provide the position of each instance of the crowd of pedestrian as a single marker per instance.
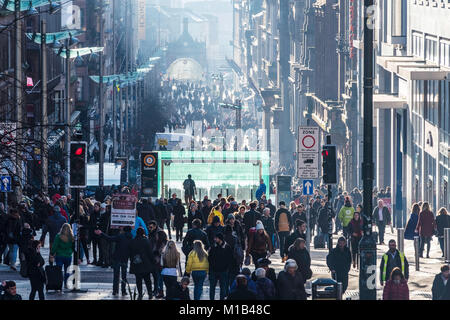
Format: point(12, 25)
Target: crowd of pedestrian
point(224, 239)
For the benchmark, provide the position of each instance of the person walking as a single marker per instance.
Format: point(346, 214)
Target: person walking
point(300, 232)
point(242, 291)
point(196, 233)
point(269, 226)
point(259, 244)
point(298, 252)
point(170, 262)
point(94, 217)
point(410, 230)
point(441, 286)
point(214, 228)
point(141, 257)
point(250, 219)
point(179, 213)
point(13, 229)
point(265, 288)
point(346, 215)
point(62, 249)
point(426, 226)
point(35, 270)
point(120, 257)
point(290, 282)
point(261, 190)
point(220, 258)
point(189, 189)
point(238, 253)
point(198, 266)
point(442, 222)
point(396, 287)
point(339, 261)
point(283, 226)
point(355, 230)
point(382, 218)
point(393, 259)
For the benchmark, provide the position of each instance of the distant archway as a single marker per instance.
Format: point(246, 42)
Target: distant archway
point(185, 69)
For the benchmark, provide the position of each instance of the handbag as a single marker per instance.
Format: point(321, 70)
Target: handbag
point(137, 259)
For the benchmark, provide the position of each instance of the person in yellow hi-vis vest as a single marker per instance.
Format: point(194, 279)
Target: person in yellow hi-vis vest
point(393, 259)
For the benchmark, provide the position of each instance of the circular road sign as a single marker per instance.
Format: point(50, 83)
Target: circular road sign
point(308, 141)
point(149, 160)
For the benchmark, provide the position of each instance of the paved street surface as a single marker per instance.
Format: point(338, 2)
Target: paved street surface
point(98, 281)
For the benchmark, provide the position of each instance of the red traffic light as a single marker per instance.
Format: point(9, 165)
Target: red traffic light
point(79, 151)
point(325, 153)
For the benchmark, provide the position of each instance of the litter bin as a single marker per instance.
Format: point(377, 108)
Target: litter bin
point(326, 289)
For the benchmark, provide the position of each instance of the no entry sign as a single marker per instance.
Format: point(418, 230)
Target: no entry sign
point(308, 139)
point(308, 153)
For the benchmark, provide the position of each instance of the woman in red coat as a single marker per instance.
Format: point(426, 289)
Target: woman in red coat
point(426, 225)
point(396, 287)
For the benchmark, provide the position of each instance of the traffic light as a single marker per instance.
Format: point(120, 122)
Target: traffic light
point(329, 164)
point(78, 170)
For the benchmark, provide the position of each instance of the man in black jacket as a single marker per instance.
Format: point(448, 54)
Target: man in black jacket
point(250, 218)
point(441, 285)
point(214, 228)
point(339, 261)
point(196, 233)
point(300, 232)
point(120, 256)
point(271, 207)
point(219, 258)
point(10, 293)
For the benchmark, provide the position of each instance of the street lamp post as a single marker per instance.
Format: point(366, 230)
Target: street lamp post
point(67, 119)
point(44, 120)
point(100, 106)
point(368, 245)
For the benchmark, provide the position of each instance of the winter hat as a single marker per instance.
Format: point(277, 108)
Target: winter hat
point(259, 225)
point(216, 219)
point(56, 209)
point(220, 236)
point(260, 273)
point(234, 203)
point(230, 216)
point(290, 263)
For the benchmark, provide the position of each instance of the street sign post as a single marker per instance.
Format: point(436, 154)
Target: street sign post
point(308, 187)
point(6, 187)
point(308, 153)
point(149, 174)
point(123, 211)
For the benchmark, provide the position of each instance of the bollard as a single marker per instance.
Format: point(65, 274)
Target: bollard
point(416, 251)
point(447, 245)
point(339, 291)
point(401, 239)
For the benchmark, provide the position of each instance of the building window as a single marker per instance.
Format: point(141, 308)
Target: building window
point(445, 53)
point(417, 45)
point(430, 50)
